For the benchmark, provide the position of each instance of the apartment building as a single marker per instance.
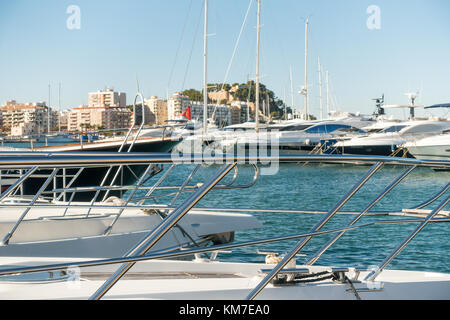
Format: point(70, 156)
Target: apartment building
point(106, 110)
point(85, 117)
point(156, 111)
point(176, 105)
point(240, 112)
point(107, 97)
point(27, 119)
point(220, 113)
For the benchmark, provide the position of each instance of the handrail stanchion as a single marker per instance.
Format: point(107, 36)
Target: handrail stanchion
point(6, 239)
point(149, 241)
point(120, 168)
point(155, 186)
point(120, 150)
point(288, 257)
point(17, 183)
point(139, 183)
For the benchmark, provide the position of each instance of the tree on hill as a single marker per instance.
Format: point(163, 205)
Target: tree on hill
point(244, 92)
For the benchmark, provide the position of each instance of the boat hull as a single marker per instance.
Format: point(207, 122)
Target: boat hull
point(437, 152)
point(371, 150)
point(47, 232)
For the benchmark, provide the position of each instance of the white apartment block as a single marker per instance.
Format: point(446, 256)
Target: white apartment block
point(30, 118)
point(176, 105)
point(106, 109)
point(85, 117)
point(221, 113)
point(156, 111)
point(107, 97)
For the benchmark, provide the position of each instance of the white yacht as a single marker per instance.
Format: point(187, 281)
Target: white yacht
point(433, 148)
point(297, 138)
point(50, 231)
point(388, 140)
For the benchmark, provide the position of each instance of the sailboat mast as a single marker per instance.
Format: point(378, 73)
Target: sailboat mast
point(257, 67)
point(320, 89)
point(306, 69)
point(48, 110)
point(292, 91)
point(59, 106)
point(328, 94)
point(205, 65)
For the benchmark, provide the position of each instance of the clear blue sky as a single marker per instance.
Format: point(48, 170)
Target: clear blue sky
point(119, 40)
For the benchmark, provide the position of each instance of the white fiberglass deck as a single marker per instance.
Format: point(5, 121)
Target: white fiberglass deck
point(181, 280)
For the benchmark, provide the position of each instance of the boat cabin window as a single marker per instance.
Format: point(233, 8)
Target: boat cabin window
point(424, 128)
point(296, 127)
point(392, 129)
point(327, 128)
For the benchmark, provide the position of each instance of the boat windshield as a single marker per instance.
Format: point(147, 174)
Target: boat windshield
point(392, 129)
point(328, 128)
point(295, 127)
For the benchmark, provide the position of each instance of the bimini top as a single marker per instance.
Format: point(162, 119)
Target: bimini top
point(441, 105)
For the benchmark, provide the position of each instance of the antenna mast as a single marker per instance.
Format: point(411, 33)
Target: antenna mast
point(258, 26)
point(59, 103)
point(306, 69)
point(320, 89)
point(292, 91)
point(48, 110)
point(328, 93)
point(205, 63)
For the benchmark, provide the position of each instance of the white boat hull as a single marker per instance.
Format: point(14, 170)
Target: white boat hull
point(46, 233)
point(430, 152)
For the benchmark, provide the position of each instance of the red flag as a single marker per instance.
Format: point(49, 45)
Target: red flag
point(187, 113)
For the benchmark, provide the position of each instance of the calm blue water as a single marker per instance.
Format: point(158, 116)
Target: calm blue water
point(319, 187)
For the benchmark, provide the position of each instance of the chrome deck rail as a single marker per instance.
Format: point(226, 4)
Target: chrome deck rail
point(291, 254)
point(28, 161)
point(187, 252)
point(358, 217)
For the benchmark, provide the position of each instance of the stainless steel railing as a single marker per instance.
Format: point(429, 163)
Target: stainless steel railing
point(179, 211)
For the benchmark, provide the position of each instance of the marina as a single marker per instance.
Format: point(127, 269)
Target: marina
point(228, 193)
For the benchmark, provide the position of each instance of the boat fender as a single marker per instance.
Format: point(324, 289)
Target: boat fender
point(114, 200)
point(151, 211)
point(273, 258)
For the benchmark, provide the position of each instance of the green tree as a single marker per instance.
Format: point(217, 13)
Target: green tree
point(193, 94)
